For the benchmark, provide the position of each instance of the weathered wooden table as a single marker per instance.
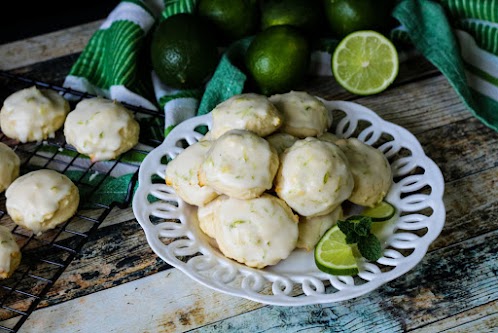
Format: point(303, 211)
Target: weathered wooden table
point(117, 284)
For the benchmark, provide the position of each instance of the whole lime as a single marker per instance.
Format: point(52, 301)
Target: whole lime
point(346, 16)
point(183, 51)
point(233, 19)
point(303, 14)
point(278, 58)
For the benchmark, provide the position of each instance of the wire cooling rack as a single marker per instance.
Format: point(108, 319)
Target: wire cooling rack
point(45, 257)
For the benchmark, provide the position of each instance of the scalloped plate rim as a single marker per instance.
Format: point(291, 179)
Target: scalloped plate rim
point(152, 235)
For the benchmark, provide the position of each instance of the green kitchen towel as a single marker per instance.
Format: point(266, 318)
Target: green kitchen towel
point(460, 37)
point(103, 182)
point(99, 190)
point(111, 64)
point(114, 64)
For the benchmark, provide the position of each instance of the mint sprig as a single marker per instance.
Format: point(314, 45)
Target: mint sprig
point(369, 247)
point(357, 231)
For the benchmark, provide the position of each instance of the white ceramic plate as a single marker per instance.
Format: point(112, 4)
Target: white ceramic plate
point(172, 230)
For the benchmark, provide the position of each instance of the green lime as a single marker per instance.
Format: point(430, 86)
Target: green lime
point(233, 19)
point(303, 14)
point(333, 255)
point(346, 16)
point(365, 62)
point(381, 212)
point(183, 51)
point(278, 59)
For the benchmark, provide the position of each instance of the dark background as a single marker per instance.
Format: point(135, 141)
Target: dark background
point(22, 19)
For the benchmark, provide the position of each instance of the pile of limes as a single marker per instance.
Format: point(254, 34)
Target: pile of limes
point(184, 48)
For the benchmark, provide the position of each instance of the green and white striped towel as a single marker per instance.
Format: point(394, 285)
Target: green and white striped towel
point(460, 37)
point(111, 63)
point(114, 64)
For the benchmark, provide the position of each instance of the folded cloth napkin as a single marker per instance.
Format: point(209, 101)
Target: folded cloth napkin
point(460, 37)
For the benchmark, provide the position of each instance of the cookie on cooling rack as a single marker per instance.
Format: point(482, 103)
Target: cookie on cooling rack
point(10, 254)
point(9, 166)
point(304, 114)
point(371, 172)
point(101, 129)
point(42, 199)
point(33, 114)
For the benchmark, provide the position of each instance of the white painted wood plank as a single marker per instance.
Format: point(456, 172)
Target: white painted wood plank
point(45, 47)
point(168, 301)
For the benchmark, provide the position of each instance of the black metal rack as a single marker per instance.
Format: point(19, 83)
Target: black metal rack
point(45, 257)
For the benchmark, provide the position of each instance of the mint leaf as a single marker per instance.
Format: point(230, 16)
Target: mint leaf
point(346, 227)
point(352, 238)
point(360, 224)
point(369, 247)
point(357, 230)
point(354, 227)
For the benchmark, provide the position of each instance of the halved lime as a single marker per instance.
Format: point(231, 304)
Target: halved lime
point(381, 212)
point(365, 62)
point(333, 255)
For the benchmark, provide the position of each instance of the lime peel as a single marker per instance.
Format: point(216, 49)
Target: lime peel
point(333, 255)
point(382, 212)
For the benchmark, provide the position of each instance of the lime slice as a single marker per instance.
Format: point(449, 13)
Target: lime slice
point(333, 255)
point(365, 62)
point(381, 212)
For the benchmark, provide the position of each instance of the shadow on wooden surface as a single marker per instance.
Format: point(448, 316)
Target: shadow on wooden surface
point(33, 18)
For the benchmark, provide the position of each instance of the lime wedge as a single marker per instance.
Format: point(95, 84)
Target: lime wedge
point(365, 62)
point(333, 255)
point(381, 212)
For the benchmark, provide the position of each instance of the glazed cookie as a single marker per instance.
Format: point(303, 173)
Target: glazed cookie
point(371, 172)
point(41, 200)
point(9, 166)
point(311, 229)
point(240, 164)
point(10, 254)
point(182, 171)
point(329, 137)
point(101, 128)
point(249, 111)
point(304, 114)
point(314, 177)
point(281, 141)
point(206, 137)
point(256, 232)
point(33, 114)
point(206, 215)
